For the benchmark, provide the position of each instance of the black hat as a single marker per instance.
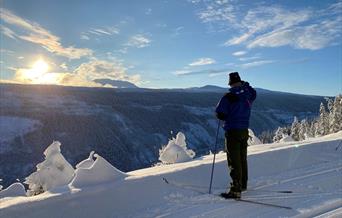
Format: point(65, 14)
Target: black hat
point(234, 78)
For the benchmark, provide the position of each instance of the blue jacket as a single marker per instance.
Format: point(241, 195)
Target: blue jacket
point(234, 107)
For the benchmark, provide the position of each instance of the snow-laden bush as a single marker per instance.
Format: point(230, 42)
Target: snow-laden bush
point(54, 171)
point(253, 140)
point(287, 138)
point(14, 190)
point(176, 151)
point(90, 172)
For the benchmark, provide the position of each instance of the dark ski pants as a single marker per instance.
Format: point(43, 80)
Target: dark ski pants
point(236, 148)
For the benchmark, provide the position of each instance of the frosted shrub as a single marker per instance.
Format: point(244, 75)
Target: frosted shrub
point(54, 171)
point(252, 139)
point(176, 151)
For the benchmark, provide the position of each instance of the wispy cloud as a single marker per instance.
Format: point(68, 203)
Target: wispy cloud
point(139, 41)
point(249, 58)
point(177, 31)
point(38, 35)
point(202, 61)
point(85, 36)
point(102, 31)
point(148, 11)
point(274, 26)
point(256, 63)
point(8, 32)
point(217, 11)
point(209, 72)
point(313, 37)
point(239, 53)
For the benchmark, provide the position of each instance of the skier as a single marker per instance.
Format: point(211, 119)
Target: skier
point(234, 110)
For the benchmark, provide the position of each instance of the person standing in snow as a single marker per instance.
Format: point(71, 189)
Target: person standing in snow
point(234, 110)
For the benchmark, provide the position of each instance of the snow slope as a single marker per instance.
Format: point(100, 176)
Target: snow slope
point(311, 169)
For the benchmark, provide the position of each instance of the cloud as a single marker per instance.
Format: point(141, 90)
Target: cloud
point(83, 75)
point(249, 58)
point(102, 31)
point(217, 11)
point(36, 34)
point(210, 72)
point(177, 31)
point(84, 36)
point(202, 61)
point(99, 69)
point(148, 11)
point(312, 37)
point(239, 53)
point(64, 66)
point(256, 63)
point(8, 32)
point(139, 41)
point(273, 25)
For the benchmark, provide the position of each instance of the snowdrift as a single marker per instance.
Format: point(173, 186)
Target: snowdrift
point(100, 171)
point(14, 190)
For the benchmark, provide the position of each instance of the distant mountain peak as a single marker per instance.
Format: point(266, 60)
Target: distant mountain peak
point(119, 84)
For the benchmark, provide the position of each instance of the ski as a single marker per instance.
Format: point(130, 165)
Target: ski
point(184, 186)
point(264, 204)
point(202, 189)
point(272, 191)
point(189, 187)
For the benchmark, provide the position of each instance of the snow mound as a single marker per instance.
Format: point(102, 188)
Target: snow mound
point(253, 140)
point(287, 138)
point(176, 151)
point(87, 163)
point(53, 172)
point(14, 190)
point(99, 172)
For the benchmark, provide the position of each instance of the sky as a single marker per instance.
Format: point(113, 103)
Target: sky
point(291, 46)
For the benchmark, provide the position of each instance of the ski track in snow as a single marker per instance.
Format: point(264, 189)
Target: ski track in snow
point(311, 169)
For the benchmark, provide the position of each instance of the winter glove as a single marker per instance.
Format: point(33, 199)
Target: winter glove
point(232, 97)
point(220, 116)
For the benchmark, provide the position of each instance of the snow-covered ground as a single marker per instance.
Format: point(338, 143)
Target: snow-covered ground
point(311, 169)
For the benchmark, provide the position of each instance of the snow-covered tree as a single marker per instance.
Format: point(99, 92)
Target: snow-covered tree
point(252, 139)
point(335, 115)
point(295, 128)
point(176, 151)
point(266, 136)
point(310, 131)
point(54, 171)
point(278, 135)
point(323, 122)
point(303, 130)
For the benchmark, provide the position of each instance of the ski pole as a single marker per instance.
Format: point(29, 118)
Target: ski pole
point(212, 167)
point(339, 145)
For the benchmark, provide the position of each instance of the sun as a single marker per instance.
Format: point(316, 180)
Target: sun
point(39, 67)
point(37, 70)
point(39, 73)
